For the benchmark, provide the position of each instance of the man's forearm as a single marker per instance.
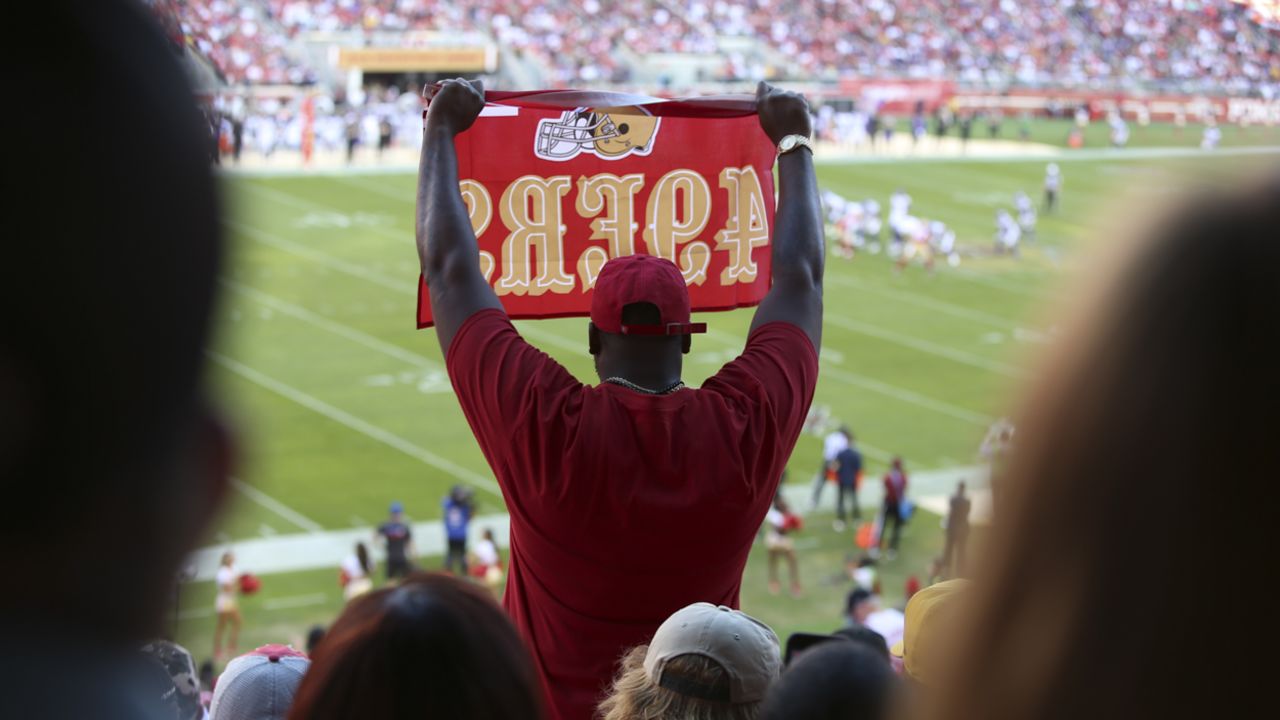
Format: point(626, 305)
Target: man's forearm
point(446, 243)
point(798, 255)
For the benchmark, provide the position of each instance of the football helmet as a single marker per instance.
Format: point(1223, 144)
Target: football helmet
point(607, 133)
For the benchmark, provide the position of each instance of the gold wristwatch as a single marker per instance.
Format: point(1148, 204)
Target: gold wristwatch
point(791, 142)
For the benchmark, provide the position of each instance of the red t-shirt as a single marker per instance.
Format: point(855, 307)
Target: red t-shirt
point(625, 507)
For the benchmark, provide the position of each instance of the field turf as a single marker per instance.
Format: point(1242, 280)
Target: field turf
point(343, 406)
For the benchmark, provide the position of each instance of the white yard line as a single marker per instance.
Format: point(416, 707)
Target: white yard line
point(376, 188)
point(276, 506)
point(551, 337)
point(400, 285)
point(907, 396)
point(883, 388)
point(924, 346)
point(333, 326)
point(361, 426)
point(928, 303)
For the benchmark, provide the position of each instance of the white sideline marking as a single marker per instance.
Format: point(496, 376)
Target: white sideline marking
point(1064, 156)
point(959, 311)
point(359, 425)
point(267, 531)
point(294, 602)
point(333, 326)
point(276, 506)
point(925, 346)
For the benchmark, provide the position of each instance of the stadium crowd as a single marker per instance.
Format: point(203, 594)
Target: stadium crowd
point(1182, 45)
point(1144, 455)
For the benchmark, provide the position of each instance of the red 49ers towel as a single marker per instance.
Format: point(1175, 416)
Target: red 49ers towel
point(559, 182)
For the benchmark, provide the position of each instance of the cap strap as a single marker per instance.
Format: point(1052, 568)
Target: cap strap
point(667, 329)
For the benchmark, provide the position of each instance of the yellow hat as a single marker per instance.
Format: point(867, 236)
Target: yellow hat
point(929, 612)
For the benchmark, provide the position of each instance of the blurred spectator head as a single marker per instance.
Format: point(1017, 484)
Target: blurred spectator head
point(314, 636)
point(259, 685)
point(112, 289)
point(859, 605)
point(181, 668)
point(704, 661)
point(433, 646)
point(839, 680)
point(866, 636)
point(396, 509)
point(931, 619)
point(1146, 446)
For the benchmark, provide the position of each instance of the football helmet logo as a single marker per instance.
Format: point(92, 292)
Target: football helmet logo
point(607, 133)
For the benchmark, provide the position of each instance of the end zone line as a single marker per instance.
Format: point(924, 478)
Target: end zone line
point(361, 426)
point(276, 506)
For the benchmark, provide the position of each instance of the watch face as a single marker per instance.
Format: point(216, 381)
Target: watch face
point(788, 142)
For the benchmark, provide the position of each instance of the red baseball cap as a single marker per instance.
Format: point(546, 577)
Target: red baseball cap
point(648, 279)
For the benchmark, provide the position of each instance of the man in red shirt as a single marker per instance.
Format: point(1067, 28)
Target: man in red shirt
point(635, 497)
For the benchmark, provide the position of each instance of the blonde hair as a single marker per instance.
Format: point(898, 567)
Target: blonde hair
point(636, 697)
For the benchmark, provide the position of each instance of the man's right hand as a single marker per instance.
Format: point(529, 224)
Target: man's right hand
point(782, 113)
point(454, 105)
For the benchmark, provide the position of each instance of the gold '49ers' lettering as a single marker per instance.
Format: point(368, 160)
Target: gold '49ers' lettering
point(612, 200)
point(677, 212)
point(480, 210)
point(746, 228)
point(530, 209)
point(617, 225)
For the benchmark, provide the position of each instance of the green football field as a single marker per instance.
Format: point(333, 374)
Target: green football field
point(342, 406)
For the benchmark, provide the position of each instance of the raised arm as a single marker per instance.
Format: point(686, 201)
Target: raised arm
point(798, 248)
point(447, 246)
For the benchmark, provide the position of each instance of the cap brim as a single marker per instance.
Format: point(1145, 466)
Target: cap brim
point(897, 649)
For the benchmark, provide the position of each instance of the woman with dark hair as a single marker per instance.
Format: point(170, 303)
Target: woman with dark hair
point(357, 573)
point(1148, 446)
point(432, 647)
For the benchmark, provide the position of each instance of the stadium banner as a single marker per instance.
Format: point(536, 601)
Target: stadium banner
point(558, 182)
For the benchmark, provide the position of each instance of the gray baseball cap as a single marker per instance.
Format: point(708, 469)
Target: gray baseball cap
point(259, 685)
point(746, 648)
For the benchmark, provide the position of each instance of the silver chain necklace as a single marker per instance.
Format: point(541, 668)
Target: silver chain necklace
point(632, 386)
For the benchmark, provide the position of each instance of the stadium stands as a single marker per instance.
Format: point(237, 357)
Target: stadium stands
point(1170, 45)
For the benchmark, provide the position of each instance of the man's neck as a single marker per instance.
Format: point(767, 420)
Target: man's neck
point(649, 377)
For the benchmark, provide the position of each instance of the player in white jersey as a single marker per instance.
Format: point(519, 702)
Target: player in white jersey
point(915, 243)
point(1026, 215)
point(1008, 233)
point(1212, 136)
point(943, 240)
point(834, 205)
point(1052, 185)
point(871, 225)
point(899, 204)
point(849, 230)
point(1119, 130)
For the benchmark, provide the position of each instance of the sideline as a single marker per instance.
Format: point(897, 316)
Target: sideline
point(311, 551)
